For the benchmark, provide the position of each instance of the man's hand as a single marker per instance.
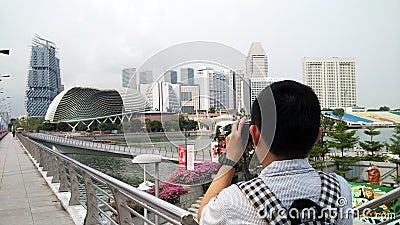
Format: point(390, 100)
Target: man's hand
point(235, 144)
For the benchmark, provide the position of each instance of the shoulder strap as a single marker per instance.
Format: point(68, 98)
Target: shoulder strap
point(330, 193)
point(264, 200)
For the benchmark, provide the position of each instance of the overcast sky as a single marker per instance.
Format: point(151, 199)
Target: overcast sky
point(98, 38)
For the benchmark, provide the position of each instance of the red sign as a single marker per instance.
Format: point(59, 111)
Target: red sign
point(222, 147)
point(181, 157)
point(214, 155)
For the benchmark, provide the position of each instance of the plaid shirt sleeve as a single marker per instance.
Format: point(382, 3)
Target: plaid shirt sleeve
point(230, 207)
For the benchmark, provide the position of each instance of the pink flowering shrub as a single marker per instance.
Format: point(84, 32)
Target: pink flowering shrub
point(169, 192)
point(201, 174)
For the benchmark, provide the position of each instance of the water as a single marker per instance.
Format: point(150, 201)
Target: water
point(384, 136)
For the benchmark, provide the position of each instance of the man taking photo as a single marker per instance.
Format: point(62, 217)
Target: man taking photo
point(285, 126)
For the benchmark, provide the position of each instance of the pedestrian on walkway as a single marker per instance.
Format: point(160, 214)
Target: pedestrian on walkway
point(286, 124)
point(13, 131)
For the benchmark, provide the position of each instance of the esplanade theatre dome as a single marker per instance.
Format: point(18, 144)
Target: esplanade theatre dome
point(85, 103)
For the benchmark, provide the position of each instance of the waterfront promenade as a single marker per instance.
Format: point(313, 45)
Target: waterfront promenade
point(25, 197)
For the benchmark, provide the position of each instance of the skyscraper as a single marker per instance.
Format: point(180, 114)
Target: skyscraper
point(129, 78)
point(256, 61)
point(257, 70)
point(218, 87)
point(332, 79)
point(171, 76)
point(187, 76)
point(214, 88)
point(146, 77)
point(44, 81)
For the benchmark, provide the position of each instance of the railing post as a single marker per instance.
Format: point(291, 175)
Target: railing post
point(63, 177)
point(44, 162)
point(50, 165)
point(56, 169)
point(74, 200)
point(124, 216)
point(92, 213)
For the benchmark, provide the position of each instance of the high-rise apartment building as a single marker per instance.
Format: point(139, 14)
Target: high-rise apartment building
point(332, 79)
point(257, 84)
point(171, 76)
point(256, 61)
point(190, 98)
point(129, 78)
point(44, 80)
point(187, 76)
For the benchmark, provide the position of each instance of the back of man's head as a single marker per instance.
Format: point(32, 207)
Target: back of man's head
point(290, 119)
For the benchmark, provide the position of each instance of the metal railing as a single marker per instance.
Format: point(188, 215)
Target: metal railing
point(3, 134)
point(106, 199)
point(167, 153)
point(390, 196)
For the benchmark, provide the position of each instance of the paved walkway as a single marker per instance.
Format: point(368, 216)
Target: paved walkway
point(25, 197)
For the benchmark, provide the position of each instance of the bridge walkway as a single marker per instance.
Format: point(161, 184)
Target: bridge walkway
point(24, 194)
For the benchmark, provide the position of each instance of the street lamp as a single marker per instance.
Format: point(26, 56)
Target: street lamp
point(149, 159)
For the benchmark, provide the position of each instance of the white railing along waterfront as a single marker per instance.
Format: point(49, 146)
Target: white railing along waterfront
point(105, 199)
point(167, 153)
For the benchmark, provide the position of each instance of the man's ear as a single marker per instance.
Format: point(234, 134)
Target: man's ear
point(319, 136)
point(255, 134)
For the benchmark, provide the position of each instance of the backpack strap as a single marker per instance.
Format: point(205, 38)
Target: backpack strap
point(330, 193)
point(264, 200)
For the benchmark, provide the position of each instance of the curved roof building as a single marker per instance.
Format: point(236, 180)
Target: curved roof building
point(84, 103)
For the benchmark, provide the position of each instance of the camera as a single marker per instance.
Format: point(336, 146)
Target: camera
point(245, 135)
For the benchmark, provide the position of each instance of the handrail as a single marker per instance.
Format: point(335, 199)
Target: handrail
point(55, 162)
point(171, 154)
point(388, 173)
point(392, 195)
point(2, 135)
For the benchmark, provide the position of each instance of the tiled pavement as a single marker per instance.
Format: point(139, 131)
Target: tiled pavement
point(25, 197)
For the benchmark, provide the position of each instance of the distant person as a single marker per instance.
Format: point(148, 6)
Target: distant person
point(374, 175)
point(13, 131)
point(287, 180)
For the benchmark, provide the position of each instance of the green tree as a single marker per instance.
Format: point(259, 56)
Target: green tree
point(371, 146)
point(211, 110)
point(341, 138)
point(321, 148)
point(62, 126)
point(395, 148)
point(343, 164)
point(384, 108)
point(102, 126)
point(31, 123)
point(339, 112)
point(81, 127)
point(156, 126)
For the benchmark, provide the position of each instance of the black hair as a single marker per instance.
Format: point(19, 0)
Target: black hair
point(288, 116)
